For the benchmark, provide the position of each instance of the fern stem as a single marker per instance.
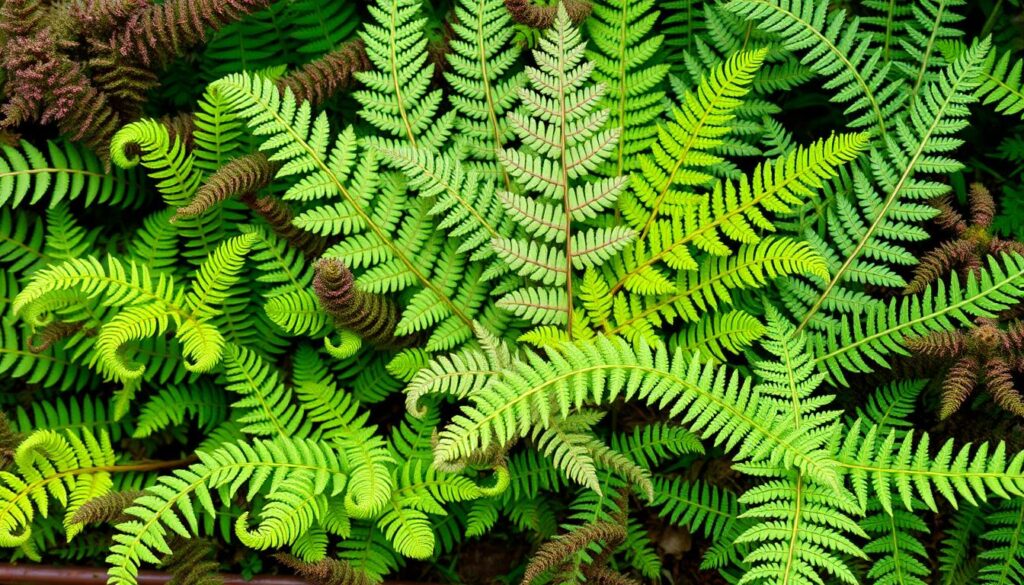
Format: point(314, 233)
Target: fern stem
point(795, 533)
point(393, 56)
point(936, 25)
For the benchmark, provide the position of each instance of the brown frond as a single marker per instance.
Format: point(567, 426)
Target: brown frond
point(937, 263)
point(949, 218)
point(1013, 337)
point(527, 13)
point(9, 441)
point(242, 175)
point(19, 18)
point(999, 383)
point(52, 333)
point(1001, 246)
point(958, 385)
point(163, 31)
point(983, 207)
point(372, 317)
point(100, 18)
point(107, 509)
point(939, 344)
point(554, 553)
point(326, 571)
point(181, 126)
point(278, 215)
point(606, 576)
point(192, 563)
point(125, 83)
point(318, 80)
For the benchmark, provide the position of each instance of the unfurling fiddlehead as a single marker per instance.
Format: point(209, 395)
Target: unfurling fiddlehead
point(326, 571)
point(372, 317)
point(241, 176)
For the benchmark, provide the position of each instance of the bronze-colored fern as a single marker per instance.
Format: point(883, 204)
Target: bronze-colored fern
point(87, 66)
point(192, 563)
point(107, 509)
point(318, 80)
point(986, 353)
point(558, 554)
point(243, 175)
point(372, 317)
point(527, 13)
point(52, 333)
point(279, 216)
point(162, 31)
point(326, 571)
point(972, 241)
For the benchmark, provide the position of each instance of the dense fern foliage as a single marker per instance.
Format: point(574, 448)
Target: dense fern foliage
point(514, 291)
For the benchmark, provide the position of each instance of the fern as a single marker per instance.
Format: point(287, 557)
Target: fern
point(1002, 562)
point(397, 98)
point(561, 147)
point(868, 240)
point(64, 173)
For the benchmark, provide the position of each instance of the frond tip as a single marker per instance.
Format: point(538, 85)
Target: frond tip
point(373, 317)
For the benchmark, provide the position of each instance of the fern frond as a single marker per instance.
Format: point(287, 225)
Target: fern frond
point(800, 532)
point(868, 240)
point(560, 124)
point(625, 58)
point(835, 50)
point(65, 173)
point(169, 507)
point(484, 79)
point(686, 147)
point(398, 99)
point(536, 392)
point(864, 340)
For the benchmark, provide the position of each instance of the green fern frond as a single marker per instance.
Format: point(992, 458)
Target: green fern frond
point(719, 333)
point(932, 22)
point(701, 507)
point(869, 234)
point(65, 173)
point(1002, 86)
point(734, 212)
point(1002, 561)
point(536, 392)
point(483, 76)
point(865, 339)
point(800, 532)
point(398, 99)
point(171, 405)
point(835, 50)
point(880, 466)
point(626, 59)
point(170, 506)
point(560, 124)
point(71, 467)
point(397, 252)
point(667, 176)
point(896, 550)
